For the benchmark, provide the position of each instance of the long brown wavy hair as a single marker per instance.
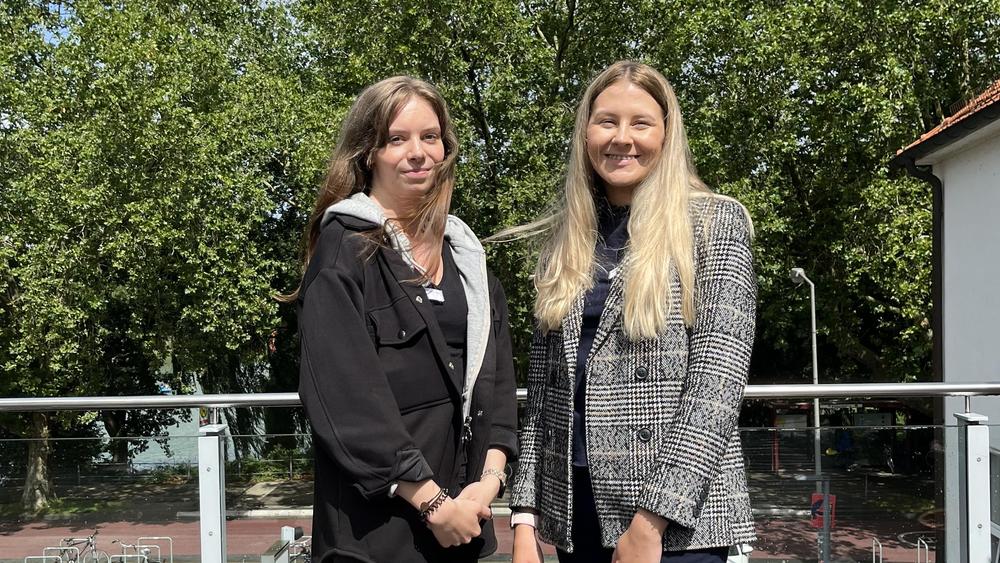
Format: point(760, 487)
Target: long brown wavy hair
point(364, 131)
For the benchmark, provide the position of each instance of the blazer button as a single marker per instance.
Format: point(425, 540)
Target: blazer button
point(641, 372)
point(645, 435)
point(402, 333)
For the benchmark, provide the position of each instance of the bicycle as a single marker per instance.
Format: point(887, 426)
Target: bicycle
point(86, 554)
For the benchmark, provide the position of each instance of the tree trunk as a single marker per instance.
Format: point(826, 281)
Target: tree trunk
point(114, 423)
point(37, 483)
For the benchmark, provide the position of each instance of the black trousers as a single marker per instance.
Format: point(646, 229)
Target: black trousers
point(587, 546)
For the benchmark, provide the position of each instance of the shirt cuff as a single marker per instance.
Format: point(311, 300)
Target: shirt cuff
point(526, 518)
point(392, 489)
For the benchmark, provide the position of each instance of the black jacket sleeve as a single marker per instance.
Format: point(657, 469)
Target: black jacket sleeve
point(503, 434)
point(342, 386)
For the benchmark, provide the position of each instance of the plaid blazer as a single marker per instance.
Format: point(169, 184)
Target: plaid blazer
point(661, 413)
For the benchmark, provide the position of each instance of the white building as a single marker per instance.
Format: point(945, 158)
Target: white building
point(960, 158)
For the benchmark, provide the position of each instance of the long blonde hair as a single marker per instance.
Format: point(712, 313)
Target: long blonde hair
point(660, 230)
point(364, 131)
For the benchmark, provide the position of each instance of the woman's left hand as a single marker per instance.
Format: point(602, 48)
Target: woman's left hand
point(482, 492)
point(642, 542)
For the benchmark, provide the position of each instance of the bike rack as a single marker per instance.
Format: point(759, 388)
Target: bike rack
point(62, 551)
point(127, 558)
point(926, 550)
point(876, 545)
point(139, 549)
point(170, 543)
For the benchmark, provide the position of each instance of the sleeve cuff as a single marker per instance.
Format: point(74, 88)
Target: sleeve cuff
point(410, 466)
point(505, 439)
point(677, 496)
point(526, 518)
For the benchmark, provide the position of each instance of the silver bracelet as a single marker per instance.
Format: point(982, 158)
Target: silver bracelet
point(500, 475)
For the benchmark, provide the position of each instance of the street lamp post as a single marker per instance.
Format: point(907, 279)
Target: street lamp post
point(798, 276)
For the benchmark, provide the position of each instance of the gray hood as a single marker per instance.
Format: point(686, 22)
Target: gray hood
point(470, 258)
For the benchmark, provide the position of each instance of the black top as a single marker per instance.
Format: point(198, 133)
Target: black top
point(612, 229)
point(450, 308)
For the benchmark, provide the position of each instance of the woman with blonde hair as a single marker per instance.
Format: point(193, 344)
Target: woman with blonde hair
point(407, 374)
point(645, 321)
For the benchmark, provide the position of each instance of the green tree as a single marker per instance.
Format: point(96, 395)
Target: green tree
point(146, 141)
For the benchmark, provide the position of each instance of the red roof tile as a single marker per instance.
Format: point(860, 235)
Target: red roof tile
point(989, 97)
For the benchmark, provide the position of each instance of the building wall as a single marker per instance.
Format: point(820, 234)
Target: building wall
point(971, 180)
point(970, 176)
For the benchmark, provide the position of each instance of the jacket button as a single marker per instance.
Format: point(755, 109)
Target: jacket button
point(645, 435)
point(641, 372)
point(420, 299)
point(402, 334)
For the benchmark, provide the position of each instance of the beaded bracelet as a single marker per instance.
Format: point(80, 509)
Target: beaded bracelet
point(428, 507)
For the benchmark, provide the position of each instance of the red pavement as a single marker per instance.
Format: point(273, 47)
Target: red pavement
point(849, 540)
point(244, 537)
point(780, 539)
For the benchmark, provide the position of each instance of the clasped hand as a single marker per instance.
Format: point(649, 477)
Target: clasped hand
point(456, 521)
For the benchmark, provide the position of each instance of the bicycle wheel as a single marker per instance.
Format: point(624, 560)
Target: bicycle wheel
point(96, 556)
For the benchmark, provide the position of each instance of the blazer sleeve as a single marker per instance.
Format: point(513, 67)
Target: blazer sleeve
point(503, 433)
point(527, 478)
point(343, 389)
point(719, 349)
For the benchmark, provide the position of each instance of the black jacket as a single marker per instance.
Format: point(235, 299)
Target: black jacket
point(383, 403)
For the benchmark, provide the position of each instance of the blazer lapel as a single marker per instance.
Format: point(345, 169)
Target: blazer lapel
point(571, 335)
point(612, 312)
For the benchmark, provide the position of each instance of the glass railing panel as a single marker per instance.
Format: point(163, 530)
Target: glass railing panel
point(105, 495)
point(888, 482)
point(884, 485)
point(269, 487)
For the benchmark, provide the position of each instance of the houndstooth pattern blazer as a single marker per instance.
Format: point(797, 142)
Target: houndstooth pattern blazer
point(661, 413)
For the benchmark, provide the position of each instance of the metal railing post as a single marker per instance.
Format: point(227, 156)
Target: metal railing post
point(974, 487)
point(212, 492)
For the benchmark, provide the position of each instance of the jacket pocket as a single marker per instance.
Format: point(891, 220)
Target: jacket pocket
point(407, 357)
point(397, 325)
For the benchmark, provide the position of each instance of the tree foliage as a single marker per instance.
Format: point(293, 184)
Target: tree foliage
point(160, 160)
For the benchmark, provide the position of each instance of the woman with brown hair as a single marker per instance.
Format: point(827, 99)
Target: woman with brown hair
point(407, 374)
point(645, 311)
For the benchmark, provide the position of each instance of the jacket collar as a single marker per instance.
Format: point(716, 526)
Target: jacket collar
point(470, 259)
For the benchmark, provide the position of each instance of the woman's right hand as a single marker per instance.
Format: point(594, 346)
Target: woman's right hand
point(456, 521)
point(526, 546)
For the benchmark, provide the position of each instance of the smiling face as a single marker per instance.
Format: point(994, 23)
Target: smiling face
point(624, 138)
point(402, 170)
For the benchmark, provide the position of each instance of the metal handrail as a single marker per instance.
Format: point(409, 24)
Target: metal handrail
point(797, 391)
